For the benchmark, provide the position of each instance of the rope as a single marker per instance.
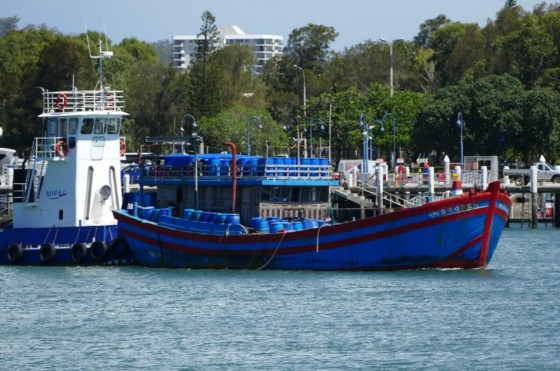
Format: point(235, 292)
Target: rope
point(273, 254)
point(317, 240)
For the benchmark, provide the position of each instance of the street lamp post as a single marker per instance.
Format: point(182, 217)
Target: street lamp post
point(259, 125)
point(391, 64)
point(193, 125)
point(460, 123)
point(365, 150)
point(382, 121)
point(322, 127)
point(304, 91)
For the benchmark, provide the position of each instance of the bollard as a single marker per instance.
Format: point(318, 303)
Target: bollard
point(534, 197)
point(431, 185)
point(446, 169)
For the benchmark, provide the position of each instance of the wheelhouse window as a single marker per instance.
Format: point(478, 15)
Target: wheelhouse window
point(87, 126)
point(111, 125)
point(72, 126)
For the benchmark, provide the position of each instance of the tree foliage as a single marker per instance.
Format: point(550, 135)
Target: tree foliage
point(504, 78)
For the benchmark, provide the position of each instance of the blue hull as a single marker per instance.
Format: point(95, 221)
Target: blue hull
point(63, 246)
point(461, 232)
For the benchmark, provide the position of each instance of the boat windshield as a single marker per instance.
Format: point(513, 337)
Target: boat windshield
point(109, 125)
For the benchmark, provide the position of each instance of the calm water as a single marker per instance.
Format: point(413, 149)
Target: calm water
point(504, 317)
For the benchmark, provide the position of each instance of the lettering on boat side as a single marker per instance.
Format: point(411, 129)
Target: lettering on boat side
point(56, 193)
point(453, 210)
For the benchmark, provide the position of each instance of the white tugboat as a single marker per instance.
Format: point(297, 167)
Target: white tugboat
point(64, 198)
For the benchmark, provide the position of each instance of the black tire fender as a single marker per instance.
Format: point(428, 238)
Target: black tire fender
point(78, 252)
point(119, 247)
point(98, 250)
point(15, 251)
point(47, 252)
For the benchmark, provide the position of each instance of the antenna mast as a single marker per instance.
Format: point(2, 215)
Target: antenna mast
point(102, 55)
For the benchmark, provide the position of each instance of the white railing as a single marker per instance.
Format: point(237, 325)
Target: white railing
point(81, 101)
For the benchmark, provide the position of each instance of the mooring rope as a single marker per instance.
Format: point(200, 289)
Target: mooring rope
point(275, 251)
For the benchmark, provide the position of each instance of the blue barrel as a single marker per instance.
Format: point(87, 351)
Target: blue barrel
point(165, 211)
point(225, 163)
point(314, 167)
point(241, 161)
point(260, 225)
point(304, 168)
point(204, 216)
point(288, 226)
point(250, 168)
point(147, 212)
point(233, 219)
point(298, 226)
point(261, 162)
point(220, 218)
point(154, 216)
point(187, 213)
point(310, 223)
point(211, 217)
point(195, 215)
point(324, 162)
point(276, 227)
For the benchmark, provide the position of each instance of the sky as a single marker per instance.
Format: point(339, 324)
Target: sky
point(356, 21)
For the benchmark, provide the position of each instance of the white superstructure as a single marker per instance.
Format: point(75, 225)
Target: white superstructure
point(73, 177)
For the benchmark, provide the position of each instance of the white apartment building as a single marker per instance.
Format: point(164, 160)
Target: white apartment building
point(265, 46)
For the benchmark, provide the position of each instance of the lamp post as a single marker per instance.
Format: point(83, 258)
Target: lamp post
point(193, 125)
point(365, 150)
point(364, 143)
point(391, 64)
point(322, 127)
point(382, 121)
point(460, 123)
point(195, 153)
point(304, 92)
point(259, 125)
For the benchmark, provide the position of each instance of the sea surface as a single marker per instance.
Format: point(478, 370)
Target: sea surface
point(505, 317)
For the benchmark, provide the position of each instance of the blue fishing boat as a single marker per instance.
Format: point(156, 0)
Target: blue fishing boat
point(62, 199)
point(217, 211)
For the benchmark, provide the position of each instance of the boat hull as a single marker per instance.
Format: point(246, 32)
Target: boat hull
point(67, 246)
point(461, 232)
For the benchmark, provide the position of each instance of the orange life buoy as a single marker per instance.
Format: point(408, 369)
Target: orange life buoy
point(123, 147)
point(109, 101)
point(61, 101)
point(61, 148)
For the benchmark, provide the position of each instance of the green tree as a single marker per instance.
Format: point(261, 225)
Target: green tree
point(155, 101)
point(232, 124)
point(423, 38)
point(205, 77)
point(239, 84)
point(309, 46)
point(8, 24)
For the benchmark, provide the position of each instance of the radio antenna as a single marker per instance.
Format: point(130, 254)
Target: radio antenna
point(103, 54)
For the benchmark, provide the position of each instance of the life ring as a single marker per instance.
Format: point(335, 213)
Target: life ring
point(47, 252)
point(122, 147)
point(61, 101)
point(98, 250)
point(15, 251)
point(61, 148)
point(119, 247)
point(78, 252)
point(109, 101)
